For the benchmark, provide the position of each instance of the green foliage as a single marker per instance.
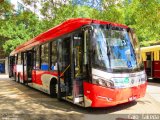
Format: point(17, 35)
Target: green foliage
point(5, 9)
point(142, 15)
point(56, 12)
point(59, 12)
point(19, 29)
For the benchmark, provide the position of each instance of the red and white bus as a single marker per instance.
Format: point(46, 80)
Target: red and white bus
point(90, 63)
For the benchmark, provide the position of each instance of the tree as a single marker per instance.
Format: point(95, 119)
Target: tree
point(144, 16)
point(56, 11)
point(19, 29)
point(5, 9)
point(141, 15)
point(110, 10)
point(25, 26)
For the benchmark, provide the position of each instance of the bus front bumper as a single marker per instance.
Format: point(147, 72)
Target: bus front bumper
point(98, 96)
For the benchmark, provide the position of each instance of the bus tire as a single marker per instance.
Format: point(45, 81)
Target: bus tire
point(53, 87)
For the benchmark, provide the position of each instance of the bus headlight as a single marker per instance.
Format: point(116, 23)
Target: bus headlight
point(103, 82)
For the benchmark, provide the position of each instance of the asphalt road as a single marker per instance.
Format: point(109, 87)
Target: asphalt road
point(19, 102)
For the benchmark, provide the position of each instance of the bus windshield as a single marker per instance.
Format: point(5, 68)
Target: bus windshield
point(115, 49)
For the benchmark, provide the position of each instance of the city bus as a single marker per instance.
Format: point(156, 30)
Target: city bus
point(151, 58)
point(90, 63)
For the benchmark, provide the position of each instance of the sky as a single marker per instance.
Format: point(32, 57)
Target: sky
point(15, 2)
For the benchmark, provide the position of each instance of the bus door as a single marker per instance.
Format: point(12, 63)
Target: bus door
point(11, 65)
point(149, 66)
point(78, 68)
point(28, 63)
point(156, 65)
point(64, 69)
point(71, 68)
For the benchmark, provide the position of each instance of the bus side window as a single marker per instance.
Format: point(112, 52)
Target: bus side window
point(86, 61)
point(44, 57)
point(53, 57)
point(148, 59)
point(16, 59)
point(37, 58)
point(19, 59)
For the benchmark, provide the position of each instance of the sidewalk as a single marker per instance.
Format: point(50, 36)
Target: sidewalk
point(153, 89)
point(4, 76)
point(18, 101)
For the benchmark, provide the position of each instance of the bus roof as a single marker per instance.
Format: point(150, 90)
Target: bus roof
point(57, 31)
point(150, 48)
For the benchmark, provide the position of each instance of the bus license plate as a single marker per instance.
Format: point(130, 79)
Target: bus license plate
point(132, 98)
